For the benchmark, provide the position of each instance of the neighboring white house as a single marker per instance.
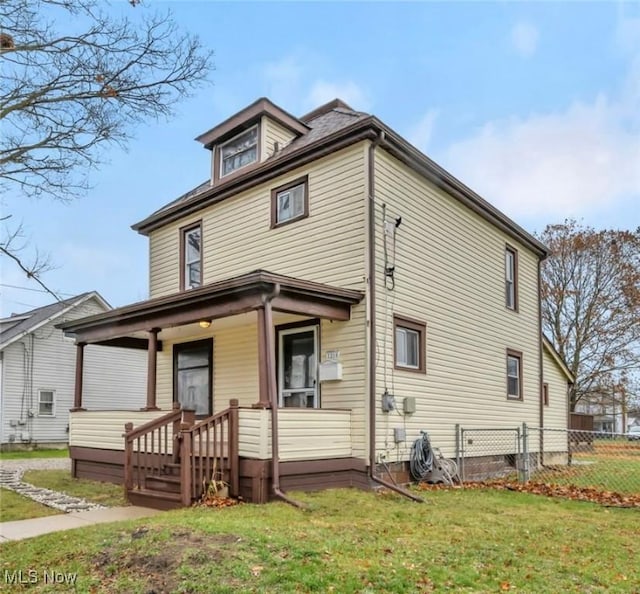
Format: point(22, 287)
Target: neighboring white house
point(37, 373)
point(608, 415)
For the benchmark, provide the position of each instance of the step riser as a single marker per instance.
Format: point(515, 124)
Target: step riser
point(159, 484)
point(153, 502)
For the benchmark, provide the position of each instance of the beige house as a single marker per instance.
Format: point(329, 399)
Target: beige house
point(326, 295)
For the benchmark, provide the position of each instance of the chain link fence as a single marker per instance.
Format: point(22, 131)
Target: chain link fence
point(606, 462)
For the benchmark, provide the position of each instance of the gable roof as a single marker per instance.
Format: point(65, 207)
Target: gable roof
point(555, 355)
point(332, 127)
point(30, 321)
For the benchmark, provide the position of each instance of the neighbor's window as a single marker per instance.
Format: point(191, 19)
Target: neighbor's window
point(290, 202)
point(238, 152)
point(409, 344)
point(46, 401)
point(511, 277)
point(545, 394)
point(514, 375)
point(191, 258)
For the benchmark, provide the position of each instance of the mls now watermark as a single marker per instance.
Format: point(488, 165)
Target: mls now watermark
point(37, 576)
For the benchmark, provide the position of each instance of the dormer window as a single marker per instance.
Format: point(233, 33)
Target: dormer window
point(240, 151)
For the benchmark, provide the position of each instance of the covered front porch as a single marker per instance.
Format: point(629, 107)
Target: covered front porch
point(242, 389)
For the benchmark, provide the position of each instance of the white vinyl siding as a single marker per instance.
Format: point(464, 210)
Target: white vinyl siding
point(113, 378)
point(450, 273)
point(273, 133)
point(327, 246)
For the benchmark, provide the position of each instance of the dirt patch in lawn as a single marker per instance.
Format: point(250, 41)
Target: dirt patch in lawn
point(153, 557)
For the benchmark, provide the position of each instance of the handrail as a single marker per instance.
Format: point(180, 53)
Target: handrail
point(209, 454)
point(153, 447)
point(174, 415)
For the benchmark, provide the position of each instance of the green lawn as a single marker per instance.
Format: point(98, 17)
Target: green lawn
point(17, 507)
point(61, 480)
point(21, 454)
point(349, 541)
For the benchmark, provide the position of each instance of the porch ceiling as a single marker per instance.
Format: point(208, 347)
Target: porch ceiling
point(217, 300)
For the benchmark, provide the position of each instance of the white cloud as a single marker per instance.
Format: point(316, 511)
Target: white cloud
point(584, 159)
point(293, 83)
point(350, 92)
point(524, 38)
point(421, 135)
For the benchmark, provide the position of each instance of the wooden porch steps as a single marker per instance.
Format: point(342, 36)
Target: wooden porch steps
point(155, 499)
point(165, 483)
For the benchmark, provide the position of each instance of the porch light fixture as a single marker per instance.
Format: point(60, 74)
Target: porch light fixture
point(204, 323)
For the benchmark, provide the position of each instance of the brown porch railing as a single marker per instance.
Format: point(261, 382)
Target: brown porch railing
point(209, 454)
point(147, 448)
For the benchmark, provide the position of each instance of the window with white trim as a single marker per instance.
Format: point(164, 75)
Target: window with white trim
point(240, 151)
point(46, 403)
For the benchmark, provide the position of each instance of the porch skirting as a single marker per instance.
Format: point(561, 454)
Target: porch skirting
point(255, 475)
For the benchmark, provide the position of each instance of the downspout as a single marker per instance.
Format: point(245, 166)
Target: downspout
point(267, 298)
point(540, 363)
point(372, 324)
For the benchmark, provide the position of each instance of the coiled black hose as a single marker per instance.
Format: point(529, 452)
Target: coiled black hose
point(421, 459)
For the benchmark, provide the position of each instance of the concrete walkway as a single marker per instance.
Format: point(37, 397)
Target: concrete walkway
point(78, 512)
point(21, 529)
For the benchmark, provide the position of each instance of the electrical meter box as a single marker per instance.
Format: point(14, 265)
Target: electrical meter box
point(409, 405)
point(330, 371)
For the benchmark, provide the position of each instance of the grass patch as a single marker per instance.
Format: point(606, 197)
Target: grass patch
point(25, 454)
point(61, 480)
point(350, 541)
point(16, 507)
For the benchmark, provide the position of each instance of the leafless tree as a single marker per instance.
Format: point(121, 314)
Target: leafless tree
point(591, 304)
point(77, 78)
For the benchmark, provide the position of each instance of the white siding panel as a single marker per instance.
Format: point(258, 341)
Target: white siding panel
point(105, 429)
point(274, 132)
point(237, 237)
point(45, 360)
point(556, 414)
point(450, 274)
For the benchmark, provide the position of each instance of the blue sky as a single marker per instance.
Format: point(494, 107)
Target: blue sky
point(536, 106)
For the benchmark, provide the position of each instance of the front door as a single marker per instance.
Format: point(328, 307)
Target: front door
point(192, 362)
point(298, 367)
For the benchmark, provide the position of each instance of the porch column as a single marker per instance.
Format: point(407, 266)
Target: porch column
point(152, 360)
point(77, 395)
point(263, 360)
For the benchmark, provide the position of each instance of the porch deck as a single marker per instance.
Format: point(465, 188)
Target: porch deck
point(311, 441)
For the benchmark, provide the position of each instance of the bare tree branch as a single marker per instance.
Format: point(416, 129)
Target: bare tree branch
point(591, 304)
point(76, 79)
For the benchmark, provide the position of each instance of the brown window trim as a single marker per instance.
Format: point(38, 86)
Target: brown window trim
point(274, 201)
point(184, 346)
point(419, 327)
point(183, 231)
point(516, 301)
point(517, 355)
point(545, 394)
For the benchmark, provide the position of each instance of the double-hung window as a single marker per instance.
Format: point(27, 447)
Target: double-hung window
point(511, 277)
point(409, 344)
point(46, 403)
point(240, 151)
point(290, 202)
point(191, 257)
point(514, 375)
